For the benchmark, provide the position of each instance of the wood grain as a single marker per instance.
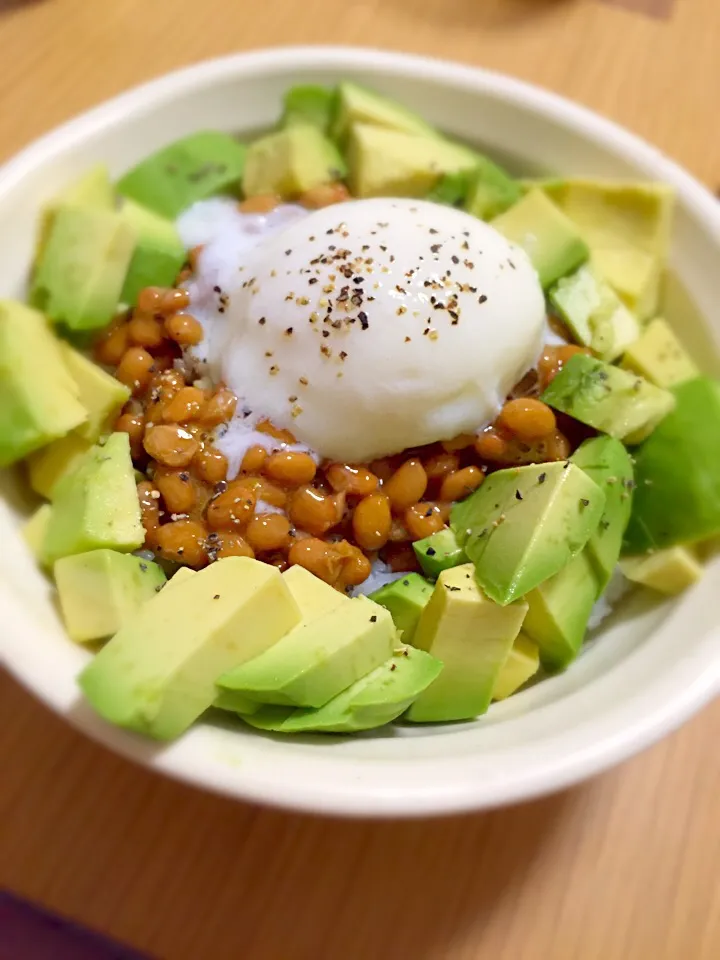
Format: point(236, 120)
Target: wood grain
point(624, 866)
point(652, 8)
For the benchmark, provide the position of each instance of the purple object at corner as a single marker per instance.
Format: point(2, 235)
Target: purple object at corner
point(29, 933)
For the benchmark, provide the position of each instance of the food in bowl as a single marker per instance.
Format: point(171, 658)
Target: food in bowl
point(350, 357)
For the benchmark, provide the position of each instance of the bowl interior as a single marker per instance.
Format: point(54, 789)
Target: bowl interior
point(651, 665)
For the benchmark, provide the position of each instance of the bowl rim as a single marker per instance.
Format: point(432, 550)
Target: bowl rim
point(600, 748)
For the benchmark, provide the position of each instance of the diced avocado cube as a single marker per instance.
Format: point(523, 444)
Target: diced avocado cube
point(157, 674)
point(677, 474)
point(594, 314)
point(38, 398)
point(491, 190)
point(235, 702)
point(472, 637)
point(313, 596)
point(522, 663)
point(309, 104)
point(180, 576)
point(485, 191)
point(373, 701)
point(552, 242)
point(158, 255)
point(452, 189)
point(99, 591)
point(659, 356)
point(669, 571)
point(439, 552)
point(628, 228)
point(607, 462)
point(47, 466)
point(35, 530)
point(96, 505)
point(290, 162)
point(524, 524)
point(102, 395)
point(389, 163)
point(94, 189)
point(613, 213)
point(318, 659)
point(559, 611)
point(180, 174)
point(359, 105)
point(636, 276)
point(608, 398)
point(82, 267)
point(268, 717)
point(405, 598)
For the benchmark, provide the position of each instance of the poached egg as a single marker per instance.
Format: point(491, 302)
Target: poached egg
point(366, 327)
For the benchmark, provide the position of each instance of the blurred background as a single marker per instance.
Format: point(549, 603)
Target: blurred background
point(624, 866)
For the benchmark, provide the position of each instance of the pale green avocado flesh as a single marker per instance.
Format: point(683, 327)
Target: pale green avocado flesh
point(319, 658)
point(612, 400)
point(101, 590)
point(39, 399)
point(184, 172)
point(375, 700)
point(607, 462)
point(439, 552)
point(405, 598)
point(96, 505)
point(157, 674)
point(677, 474)
point(524, 524)
point(472, 636)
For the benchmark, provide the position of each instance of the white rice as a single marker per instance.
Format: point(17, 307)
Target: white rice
point(380, 576)
point(616, 589)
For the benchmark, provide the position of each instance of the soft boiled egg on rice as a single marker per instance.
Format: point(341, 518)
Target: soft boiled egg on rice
point(366, 327)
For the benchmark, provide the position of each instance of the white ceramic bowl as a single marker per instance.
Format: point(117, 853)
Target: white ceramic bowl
point(652, 666)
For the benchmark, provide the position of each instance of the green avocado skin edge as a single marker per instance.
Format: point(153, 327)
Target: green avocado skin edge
point(677, 474)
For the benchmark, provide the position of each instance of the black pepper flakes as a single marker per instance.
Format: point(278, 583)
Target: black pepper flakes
point(542, 478)
point(482, 298)
point(430, 552)
point(373, 619)
point(518, 495)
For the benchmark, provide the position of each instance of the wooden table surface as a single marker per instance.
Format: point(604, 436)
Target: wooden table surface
point(625, 866)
